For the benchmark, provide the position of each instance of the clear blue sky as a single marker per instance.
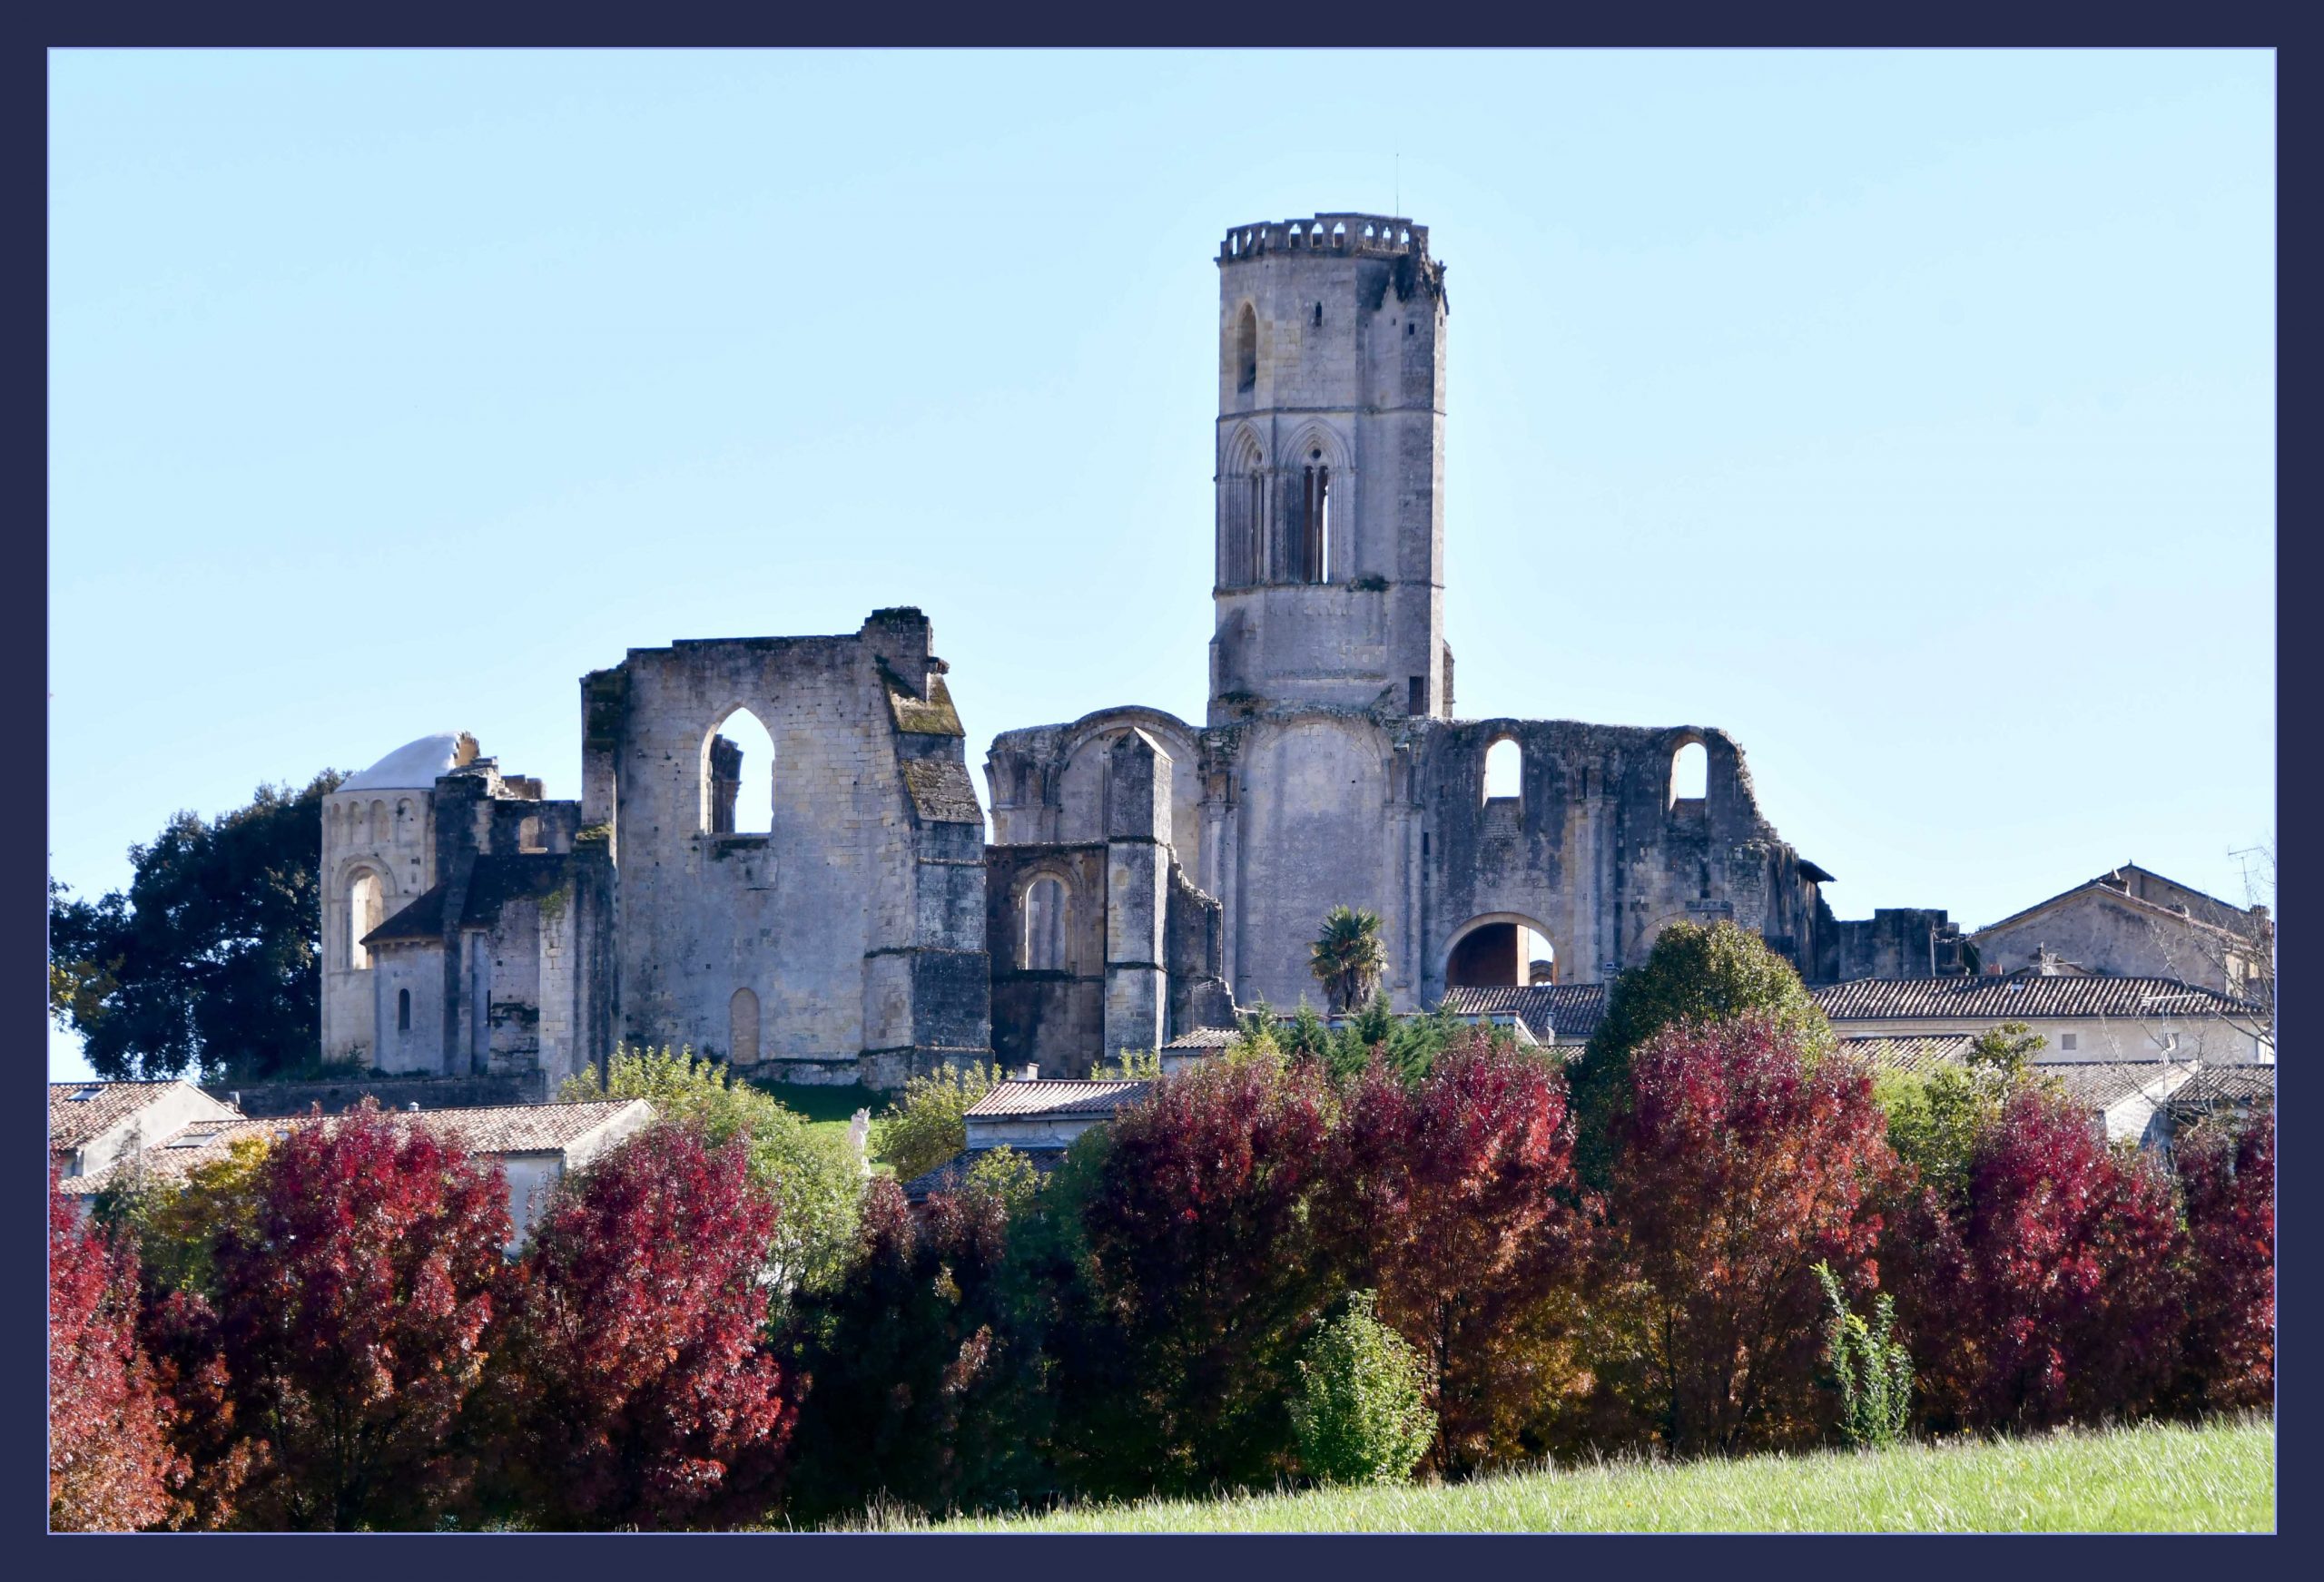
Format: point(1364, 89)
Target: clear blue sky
point(1908, 415)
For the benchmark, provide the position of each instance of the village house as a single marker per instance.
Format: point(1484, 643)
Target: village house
point(1039, 1119)
point(92, 1125)
point(533, 1146)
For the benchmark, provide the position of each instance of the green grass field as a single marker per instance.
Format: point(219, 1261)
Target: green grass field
point(827, 1109)
point(2220, 1478)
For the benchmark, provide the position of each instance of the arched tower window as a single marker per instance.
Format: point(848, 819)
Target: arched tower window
point(743, 1028)
point(1043, 948)
point(738, 777)
point(1242, 513)
point(378, 823)
point(403, 1010)
point(1247, 349)
point(1689, 773)
point(365, 903)
point(1307, 544)
point(1504, 771)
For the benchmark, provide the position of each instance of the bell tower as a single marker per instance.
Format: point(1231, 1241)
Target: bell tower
point(1329, 581)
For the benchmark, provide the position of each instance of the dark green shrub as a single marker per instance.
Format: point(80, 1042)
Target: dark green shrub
point(1361, 1412)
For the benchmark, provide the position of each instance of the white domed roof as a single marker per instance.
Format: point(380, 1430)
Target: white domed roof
point(415, 765)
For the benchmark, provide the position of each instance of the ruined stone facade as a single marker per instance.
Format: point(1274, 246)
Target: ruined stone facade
point(483, 931)
point(465, 926)
point(837, 915)
point(1330, 769)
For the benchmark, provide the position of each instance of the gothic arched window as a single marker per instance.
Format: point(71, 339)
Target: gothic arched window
point(1045, 924)
point(365, 902)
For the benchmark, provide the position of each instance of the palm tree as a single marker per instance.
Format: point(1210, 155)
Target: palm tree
point(1348, 957)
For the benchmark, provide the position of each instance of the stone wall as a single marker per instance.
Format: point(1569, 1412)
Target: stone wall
point(857, 922)
point(1597, 854)
point(1898, 942)
point(1054, 1018)
point(336, 1095)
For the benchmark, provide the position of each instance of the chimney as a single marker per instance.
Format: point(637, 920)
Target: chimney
point(1029, 1073)
point(413, 1107)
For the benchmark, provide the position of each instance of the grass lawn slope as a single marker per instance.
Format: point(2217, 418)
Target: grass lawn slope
point(2218, 1478)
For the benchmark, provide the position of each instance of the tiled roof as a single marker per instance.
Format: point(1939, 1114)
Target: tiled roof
point(527, 1128)
point(2019, 995)
point(1924, 1053)
point(953, 1173)
point(1205, 1038)
point(536, 1128)
point(493, 883)
point(2235, 1085)
point(941, 791)
point(1571, 1011)
point(2099, 1084)
point(177, 1156)
point(78, 1110)
point(1058, 1098)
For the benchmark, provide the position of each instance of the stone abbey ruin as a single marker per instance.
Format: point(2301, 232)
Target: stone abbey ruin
point(1143, 874)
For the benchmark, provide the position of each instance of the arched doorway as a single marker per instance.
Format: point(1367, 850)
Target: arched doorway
point(1500, 950)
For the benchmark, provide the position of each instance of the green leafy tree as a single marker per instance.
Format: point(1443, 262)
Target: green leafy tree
point(212, 960)
point(1935, 1117)
point(1873, 1369)
point(1347, 958)
point(177, 1227)
point(1129, 1066)
point(1004, 1175)
point(815, 1178)
point(928, 1125)
point(1693, 973)
point(1362, 1411)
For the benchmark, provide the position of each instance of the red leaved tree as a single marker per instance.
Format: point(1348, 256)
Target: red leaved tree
point(1202, 1278)
point(2049, 1295)
point(896, 1362)
point(2227, 1174)
point(1452, 1198)
point(344, 1338)
point(110, 1468)
point(631, 1386)
point(1739, 1165)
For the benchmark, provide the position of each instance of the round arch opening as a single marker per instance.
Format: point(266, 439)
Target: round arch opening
point(1501, 951)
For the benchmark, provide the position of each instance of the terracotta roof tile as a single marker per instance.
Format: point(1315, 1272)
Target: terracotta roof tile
point(1924, 1053)
point(1569, 1010)
point(2226, 1085)
point(1205, 1038)
point(1058, 1098)
point(2019, 995)
point(953, 1173)
point(2099, 1084)
point(537, 1128)
point(78, 1110)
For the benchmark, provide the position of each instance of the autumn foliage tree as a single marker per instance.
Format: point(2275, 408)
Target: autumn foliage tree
point(2227, 1173)
point(1202, 1270)
point(631, 1384)
point(1693, 973)
point(898, 1359)
point(2048, 1294)
point(342, 1341)
point(1451, 1197)
point(1740, 1163)
point(111, 1467)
